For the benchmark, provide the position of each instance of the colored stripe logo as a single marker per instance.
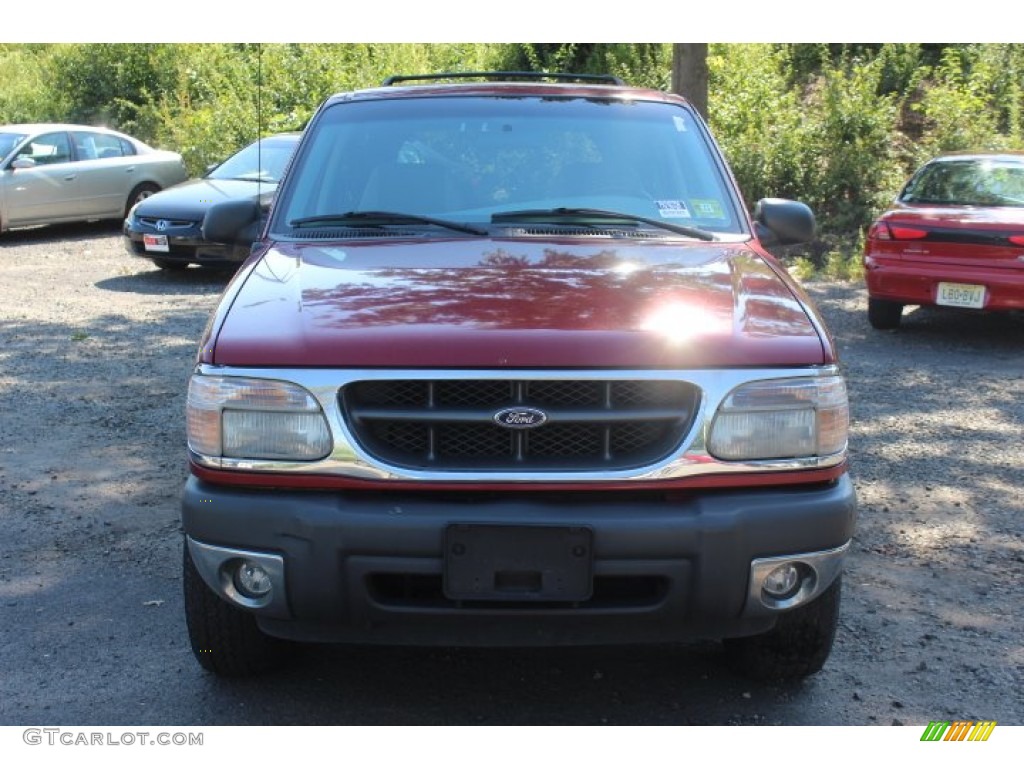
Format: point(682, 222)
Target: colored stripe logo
point(958, 730)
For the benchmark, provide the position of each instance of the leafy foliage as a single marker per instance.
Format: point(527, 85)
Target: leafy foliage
point(27, 95)
point(642, 64)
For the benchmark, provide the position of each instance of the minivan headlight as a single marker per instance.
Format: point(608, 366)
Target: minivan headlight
point(243, 418)
point(781, 419)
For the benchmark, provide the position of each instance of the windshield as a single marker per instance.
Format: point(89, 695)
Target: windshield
point(974, 181)
point(264, 160)
point(9, 141)
point(470, 158)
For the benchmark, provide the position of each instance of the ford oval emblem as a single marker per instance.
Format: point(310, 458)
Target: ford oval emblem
point(520, 418)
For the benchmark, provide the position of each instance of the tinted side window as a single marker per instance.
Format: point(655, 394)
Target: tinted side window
point(99, 146)
point(85, 145)
point(48, 149)
point(108, 146)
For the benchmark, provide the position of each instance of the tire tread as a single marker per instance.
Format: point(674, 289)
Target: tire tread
point(796, 647)
point(884, 315)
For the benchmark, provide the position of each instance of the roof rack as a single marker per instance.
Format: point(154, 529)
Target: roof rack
point(562, 77)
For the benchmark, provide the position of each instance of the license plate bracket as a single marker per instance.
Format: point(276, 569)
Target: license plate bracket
point(157, 243)
point(529, 563)
point(960, 295)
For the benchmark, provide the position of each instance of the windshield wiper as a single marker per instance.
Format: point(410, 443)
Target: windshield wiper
point(546, 214)
point(383, 219)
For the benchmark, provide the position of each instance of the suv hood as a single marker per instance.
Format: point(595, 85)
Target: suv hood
point(471, 303)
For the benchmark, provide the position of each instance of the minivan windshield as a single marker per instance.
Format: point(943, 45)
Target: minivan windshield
point(477, 159)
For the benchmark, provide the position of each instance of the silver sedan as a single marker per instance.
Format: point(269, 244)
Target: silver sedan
point(53, 173)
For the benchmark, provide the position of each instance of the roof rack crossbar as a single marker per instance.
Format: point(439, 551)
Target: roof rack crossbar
point(503, 75)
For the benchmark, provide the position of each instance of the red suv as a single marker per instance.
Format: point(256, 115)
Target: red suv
point(510, 365)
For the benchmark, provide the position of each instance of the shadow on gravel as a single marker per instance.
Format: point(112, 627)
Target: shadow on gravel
point(60, 233)
point(652, 685)
point(169, 282)
point(93, 428)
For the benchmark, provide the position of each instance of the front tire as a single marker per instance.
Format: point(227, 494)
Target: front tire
point(796, 647)
point(225, 640)
point(884, 315)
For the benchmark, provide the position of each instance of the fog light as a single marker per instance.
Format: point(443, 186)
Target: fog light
point(782, 582)
point(252, 581)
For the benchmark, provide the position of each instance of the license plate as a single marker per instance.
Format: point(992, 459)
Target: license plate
point(518, 563)
point(961, 295)
point(156, 243)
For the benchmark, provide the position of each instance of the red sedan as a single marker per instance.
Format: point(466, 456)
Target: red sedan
point(954, 237)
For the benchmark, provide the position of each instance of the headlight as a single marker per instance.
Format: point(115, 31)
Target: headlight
point(244, 418)
point(781, 419)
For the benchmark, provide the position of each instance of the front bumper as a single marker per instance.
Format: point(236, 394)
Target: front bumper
point(367, 567)
point(187, 246)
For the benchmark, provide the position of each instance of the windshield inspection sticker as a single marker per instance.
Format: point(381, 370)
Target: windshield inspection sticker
point(672, 209)
point(707, 209)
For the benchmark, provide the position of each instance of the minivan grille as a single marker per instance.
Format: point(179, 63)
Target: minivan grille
point(450, 424)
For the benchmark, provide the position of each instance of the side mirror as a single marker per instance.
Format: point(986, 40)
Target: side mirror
point(783, 222)
point(23, 162)
point(233, 221)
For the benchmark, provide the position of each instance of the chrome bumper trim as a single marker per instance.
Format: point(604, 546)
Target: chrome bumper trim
point(213, 565)
point(821, 569)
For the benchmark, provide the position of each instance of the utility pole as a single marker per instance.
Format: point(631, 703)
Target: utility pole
point(690, 74)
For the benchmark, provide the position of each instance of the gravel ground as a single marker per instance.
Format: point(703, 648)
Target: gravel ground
point(95, 351)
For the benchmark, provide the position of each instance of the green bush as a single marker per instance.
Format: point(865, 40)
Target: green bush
point(851, 130)
point(970, 105)
point(829, 141)
point(107, 83)
point(758, 120)
point(27, 95)
point(224, 96)
point(647, 65)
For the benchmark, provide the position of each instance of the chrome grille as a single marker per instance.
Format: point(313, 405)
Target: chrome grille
point(449, 425)
point(567, 440)
point(171, 223)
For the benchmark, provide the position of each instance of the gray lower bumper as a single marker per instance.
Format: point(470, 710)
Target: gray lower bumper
point(363, 567)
